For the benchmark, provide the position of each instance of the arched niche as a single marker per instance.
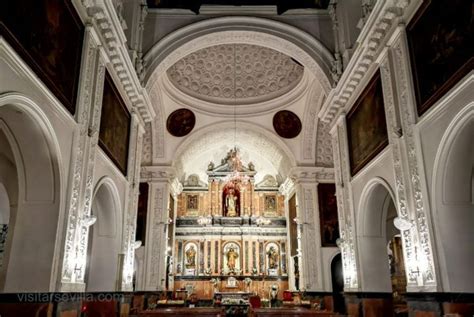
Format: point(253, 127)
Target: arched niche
point(231, 201)
point(232, 258)
point(374, 228)
point(273, 259)
point(453, 203)
point(190, 258)
point(30, 173)
point(104, 238)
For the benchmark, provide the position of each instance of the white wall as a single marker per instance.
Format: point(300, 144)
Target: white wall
point(446, 137)
point(43, 207)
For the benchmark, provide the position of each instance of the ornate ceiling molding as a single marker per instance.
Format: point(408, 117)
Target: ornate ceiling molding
point(246, 30)
point(235, 74)
point(376, 33)
point(164, 86)
point(108, 26)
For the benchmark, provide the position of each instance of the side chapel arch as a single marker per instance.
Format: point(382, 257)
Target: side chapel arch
point(376, 199)
point(104, 237)
point(35, 208)
point(453, 202)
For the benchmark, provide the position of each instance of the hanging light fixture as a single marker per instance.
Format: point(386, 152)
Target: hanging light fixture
point(233, 159)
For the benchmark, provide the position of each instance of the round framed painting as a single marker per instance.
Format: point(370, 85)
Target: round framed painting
point(286, 124)
point(180, 122)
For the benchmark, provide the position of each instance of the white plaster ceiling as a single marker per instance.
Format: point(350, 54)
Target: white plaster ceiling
point(208, 63)
point(269, 156)
point(235, 74)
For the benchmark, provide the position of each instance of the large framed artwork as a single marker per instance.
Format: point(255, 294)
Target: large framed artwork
point(48, 35)
point(440, 40)
point(328, 218)
point(114, 125)
point(142, 212)
point(293, 225)
point(366, 125)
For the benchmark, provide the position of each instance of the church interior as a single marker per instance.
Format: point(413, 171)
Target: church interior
point(237, 158)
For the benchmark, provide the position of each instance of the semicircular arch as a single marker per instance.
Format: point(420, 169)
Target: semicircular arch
point(220, 137)
point(239, 29)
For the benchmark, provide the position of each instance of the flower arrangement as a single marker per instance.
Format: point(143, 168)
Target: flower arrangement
point(247, 282)
point(215, 282)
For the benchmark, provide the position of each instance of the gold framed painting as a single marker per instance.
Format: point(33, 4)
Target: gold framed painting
point(366, 125)
point(115, 122)
point(440, 38)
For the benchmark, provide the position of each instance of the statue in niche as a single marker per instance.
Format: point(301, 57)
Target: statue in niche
point(232, 256)
point(191, 258)
point(272, 258)
point(230, 203)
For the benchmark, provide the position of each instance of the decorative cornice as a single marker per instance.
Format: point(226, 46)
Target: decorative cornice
point(304, 174)
point(383, 20)
point(287, 187)
point(175, 187)
point(108, 26)
point(157, 173)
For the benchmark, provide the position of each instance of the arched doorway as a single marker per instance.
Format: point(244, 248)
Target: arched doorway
point(453, 203)
point(380, 249)
point(337, 280)
point(30, 197)
point(104, 239)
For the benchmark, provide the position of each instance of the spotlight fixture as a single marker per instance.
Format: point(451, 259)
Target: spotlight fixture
point(137, 244)
point(89, 221)
point(402, 224)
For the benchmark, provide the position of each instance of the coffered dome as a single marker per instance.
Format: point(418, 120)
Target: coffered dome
point(235, 73)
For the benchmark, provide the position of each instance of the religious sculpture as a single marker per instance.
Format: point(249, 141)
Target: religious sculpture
point(272, 258)
point(210, 166)
point(191, 258)
point(232, 256)
point(230, 203)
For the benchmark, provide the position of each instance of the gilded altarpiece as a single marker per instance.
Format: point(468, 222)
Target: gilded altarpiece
point(231, 232)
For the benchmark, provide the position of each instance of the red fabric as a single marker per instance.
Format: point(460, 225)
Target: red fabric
point(255, 301)
point(287, 295)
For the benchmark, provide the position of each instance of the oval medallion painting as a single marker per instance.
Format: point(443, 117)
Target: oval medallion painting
point(286, 124)
point(180, 122)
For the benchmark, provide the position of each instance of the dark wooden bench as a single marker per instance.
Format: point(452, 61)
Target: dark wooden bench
point(184, 312)
point(287, 311)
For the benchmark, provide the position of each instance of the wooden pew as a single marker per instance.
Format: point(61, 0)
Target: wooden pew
point(184, 312)
point(294, 312)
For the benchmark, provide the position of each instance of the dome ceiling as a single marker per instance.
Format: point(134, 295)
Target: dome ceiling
point(235, 73)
